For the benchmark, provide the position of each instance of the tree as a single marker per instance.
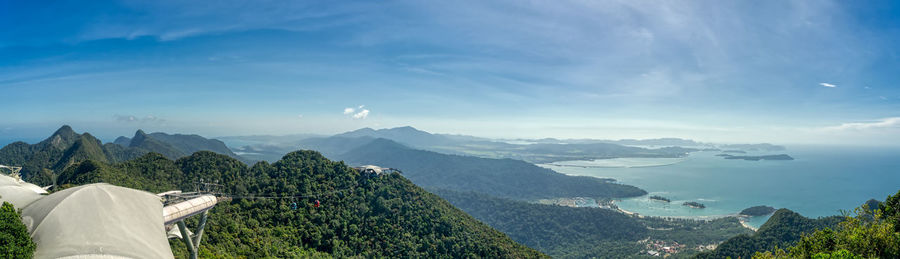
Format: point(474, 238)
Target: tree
point(14, 239)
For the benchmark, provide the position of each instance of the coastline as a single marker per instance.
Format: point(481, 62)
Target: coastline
point(742, 219)
point(563, 163)
point(745, 223)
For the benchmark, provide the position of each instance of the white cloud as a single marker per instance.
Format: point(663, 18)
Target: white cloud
point(299, 116)
point(135, 119)
point(892, 122)
point(361, 114)
point(349, 110)
point(827, 85)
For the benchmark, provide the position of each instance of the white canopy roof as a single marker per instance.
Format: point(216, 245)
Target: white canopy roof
point(97, 221)
point(17, 192)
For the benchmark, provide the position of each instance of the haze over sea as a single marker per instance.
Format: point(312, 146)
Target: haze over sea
point(821, 181)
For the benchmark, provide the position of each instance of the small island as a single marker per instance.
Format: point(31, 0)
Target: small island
point(660, 198)
point(757, 211)
point(757, 158)
point(694, 204)
point(735, 151)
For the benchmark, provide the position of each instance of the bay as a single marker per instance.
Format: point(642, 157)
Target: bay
point(821, 181)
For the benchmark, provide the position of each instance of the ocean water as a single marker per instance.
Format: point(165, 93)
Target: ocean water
point(821, 181)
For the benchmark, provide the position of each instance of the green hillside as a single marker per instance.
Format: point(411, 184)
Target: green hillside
point(386, 216)
point(43, 161)
point(567, 232)
point(874, 232)
point(506, 178)
point(783, 229)
point(178, 145)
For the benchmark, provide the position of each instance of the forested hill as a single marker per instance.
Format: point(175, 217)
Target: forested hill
point(566, 232)
point(782, 230)
point(385, 216)
point(498, 177)
point(42, 161)
point(178, 144)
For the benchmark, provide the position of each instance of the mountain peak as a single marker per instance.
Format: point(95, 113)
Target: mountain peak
point(65, 131)
point(122, 141)
point(62, 138)
point(139, 137)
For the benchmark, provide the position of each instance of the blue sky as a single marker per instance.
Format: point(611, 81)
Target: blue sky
point(723, 71)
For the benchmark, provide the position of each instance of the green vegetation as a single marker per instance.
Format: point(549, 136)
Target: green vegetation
point(504, 178)
point(757, 211)
point(783, 229)
point(14, 239)
point(694, 204)
point(660, 198)
point(569, 232)
point(869, 234)
point(43, 161)
point(386, 216)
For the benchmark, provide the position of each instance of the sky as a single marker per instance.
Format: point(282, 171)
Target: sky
point(823, 72)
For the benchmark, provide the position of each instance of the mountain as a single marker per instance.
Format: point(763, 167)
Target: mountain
point(174, 146)
point(40, 161)
point(122, 141)
point(506, 178)
point(144, 142)
point(359, 216)
point(544, 151)
point(783, 229)
point(43, 161)
point(265, 147)
point(407, 135)
point(333, 146)
point(656, 142)
point(754, 147)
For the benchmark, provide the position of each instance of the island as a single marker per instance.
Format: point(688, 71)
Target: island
point(757, 211)
point(757, 158)
point(660, 198)
point(735, 151)
point(694, 204)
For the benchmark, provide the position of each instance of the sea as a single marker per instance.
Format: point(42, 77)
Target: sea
point(820, 181)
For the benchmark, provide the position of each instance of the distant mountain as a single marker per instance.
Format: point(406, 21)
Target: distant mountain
point(41, 162)
point(175, 146)
point(507, 178)
point(657, 142)
point(265, 147)
point(782, 230)
point(754, 147)
point(358, 216)
point(407, 135)
point(542, 151)
point(333, 146)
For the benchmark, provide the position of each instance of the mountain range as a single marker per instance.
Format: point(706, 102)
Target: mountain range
point(43, 161)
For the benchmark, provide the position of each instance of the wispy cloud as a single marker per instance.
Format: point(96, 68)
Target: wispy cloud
point(892, 122)
point(828, 85)
point(349, 110)
point(136, 119)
